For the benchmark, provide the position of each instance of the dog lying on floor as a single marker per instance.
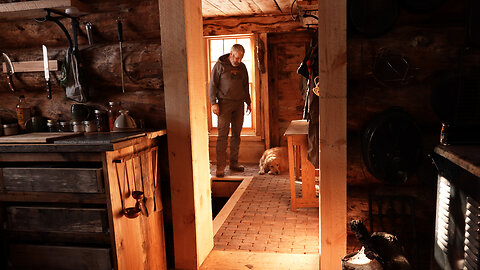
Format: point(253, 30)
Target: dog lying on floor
point(274, 161)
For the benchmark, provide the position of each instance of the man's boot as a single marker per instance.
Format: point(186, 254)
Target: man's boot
point(236, 167)
point(220, 172)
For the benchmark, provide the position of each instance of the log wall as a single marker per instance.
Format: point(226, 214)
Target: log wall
point(22, 41)
point(430, 42)
point(144, 97)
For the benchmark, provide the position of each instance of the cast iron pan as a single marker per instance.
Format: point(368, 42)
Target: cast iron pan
point(373, 17)
point(420, 6)
point(392, 146)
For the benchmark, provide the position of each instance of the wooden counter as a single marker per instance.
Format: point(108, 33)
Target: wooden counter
point(88, 142)
point(465, 156)
point(62, 203)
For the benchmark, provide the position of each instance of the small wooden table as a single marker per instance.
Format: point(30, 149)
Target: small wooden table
point(299, 166)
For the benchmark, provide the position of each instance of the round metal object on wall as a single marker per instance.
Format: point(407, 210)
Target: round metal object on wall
point(421, 6)
point(392, 146)
point(373, 17)
point(392, 69)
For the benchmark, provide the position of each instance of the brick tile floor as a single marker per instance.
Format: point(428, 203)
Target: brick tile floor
point(262, 220)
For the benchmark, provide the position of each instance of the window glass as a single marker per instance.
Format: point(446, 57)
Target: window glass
point(214, 120)
point(216, 49)
point(248, 65)
point(228, 45)
point(245, 42)
point(211, 65)
point(221, 46)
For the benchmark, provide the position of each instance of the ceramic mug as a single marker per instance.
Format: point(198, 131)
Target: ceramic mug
point(80, 112)
point(36, 124)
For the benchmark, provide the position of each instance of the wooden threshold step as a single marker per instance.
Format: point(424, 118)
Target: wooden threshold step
point(241, 260)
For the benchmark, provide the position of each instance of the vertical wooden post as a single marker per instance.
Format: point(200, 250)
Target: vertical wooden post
point(183, 61)
point(332, 51)
point(264, 93)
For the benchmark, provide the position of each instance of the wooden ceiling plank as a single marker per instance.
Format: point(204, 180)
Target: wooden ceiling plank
point(285, 6)
point(267, 6)
point(253, 5)
point(248, 7)
point(227, 7)
point(209, 10)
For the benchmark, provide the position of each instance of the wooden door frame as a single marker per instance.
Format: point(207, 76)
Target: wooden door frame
point(332, 52)
point(183, 63)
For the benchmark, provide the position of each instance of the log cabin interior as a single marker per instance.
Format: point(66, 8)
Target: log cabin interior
point(398, 120)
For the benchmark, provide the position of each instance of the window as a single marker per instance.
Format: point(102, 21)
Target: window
point(220, 45)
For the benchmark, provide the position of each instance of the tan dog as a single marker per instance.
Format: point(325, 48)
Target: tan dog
point(274, 161)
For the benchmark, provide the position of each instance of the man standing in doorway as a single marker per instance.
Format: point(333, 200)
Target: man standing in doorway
point(228, 90)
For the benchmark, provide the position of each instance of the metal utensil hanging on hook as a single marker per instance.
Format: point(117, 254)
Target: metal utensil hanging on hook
point(143, 204)
point(89, 29)
point(120, 40)
point(126, 177)
point(9, 71)
point(128, 212)
point(73, 78)
point(46, 71)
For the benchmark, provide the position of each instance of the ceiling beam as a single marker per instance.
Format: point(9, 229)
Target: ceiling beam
point(250, 24)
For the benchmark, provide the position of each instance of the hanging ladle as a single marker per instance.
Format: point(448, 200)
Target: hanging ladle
point(133, 212)
point(129, 212)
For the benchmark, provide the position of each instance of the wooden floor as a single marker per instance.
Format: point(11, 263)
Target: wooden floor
point(258, 229)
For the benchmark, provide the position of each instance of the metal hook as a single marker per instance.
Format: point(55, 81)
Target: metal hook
point(56, 20)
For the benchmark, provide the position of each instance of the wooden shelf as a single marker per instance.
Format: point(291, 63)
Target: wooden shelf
point(36, 9)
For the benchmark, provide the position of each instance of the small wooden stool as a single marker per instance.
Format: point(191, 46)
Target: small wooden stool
point(299, 166)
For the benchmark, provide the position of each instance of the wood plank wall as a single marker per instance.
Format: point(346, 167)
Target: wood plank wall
point(286, 52)
point(22, 41)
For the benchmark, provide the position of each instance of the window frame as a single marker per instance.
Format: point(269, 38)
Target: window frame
point(255, 130)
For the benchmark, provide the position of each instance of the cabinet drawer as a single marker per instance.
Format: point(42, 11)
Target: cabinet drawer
point(36, 257)
point(57, 219)
point(77, 180)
